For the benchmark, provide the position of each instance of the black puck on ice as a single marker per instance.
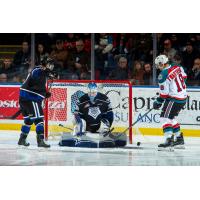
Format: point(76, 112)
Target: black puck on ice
point(138, 144)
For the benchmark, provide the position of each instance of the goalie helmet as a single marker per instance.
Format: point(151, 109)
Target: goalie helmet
point(161, 60)
point(92, 90)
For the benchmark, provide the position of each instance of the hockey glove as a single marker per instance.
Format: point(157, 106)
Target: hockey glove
point(48, 94)
point(156, 105)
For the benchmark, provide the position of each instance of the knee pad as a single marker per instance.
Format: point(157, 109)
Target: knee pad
point(38, 121)
point(28, 121)
point(80, 127)
point(39, 126)
point(26, 127)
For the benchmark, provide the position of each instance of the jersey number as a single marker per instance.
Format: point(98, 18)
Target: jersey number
point(179, 79)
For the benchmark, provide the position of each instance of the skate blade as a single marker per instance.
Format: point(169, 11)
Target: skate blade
point(168, 149)
point(22, 147)
point(179, 147)
point(43, 148)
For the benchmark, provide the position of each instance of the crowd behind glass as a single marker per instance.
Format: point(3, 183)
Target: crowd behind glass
point(117, 56)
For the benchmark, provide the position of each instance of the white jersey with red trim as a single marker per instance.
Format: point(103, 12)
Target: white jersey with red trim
point(172, 83)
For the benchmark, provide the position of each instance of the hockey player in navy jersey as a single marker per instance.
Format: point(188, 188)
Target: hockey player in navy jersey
point(93, 112)
point(32, 93)
point(173, 95)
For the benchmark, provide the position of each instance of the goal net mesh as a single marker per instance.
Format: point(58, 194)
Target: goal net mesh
point(64, 95)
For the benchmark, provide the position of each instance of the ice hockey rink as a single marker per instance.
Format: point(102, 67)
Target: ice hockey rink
point(145, 155)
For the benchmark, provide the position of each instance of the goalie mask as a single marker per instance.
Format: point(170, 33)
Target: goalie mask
point(92, 90)
point(160, 61)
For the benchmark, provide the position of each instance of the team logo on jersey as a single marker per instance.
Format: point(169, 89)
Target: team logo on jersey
point(160, 77)
point(94, 112)
point(162, 87)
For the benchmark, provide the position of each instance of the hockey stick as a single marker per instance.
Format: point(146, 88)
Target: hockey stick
point(104, 134)
point(137, 120)
point(61, 125)
point(119, 135)
point(14, 116)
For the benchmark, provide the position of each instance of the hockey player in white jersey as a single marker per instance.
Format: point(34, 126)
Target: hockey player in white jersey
point(173, 94)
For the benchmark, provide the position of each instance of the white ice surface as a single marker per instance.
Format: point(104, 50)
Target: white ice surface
point(146, 155)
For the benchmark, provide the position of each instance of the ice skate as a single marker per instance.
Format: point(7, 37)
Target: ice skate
point(22, 140)
point(168, 145)
point(41, 143)
point(179, 142)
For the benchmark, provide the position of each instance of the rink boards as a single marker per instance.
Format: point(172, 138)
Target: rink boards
point(143, 98)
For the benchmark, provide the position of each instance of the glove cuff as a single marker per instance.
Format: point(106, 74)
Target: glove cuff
point(160, 100)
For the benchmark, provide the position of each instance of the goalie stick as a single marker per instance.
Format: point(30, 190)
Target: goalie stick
point(104, 134)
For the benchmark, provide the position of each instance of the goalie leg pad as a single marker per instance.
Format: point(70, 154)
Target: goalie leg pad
point(80, 127)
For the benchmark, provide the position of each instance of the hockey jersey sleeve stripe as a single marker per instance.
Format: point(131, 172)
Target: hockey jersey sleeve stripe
point(164, 96)
point(178, 98)
point(33, 92)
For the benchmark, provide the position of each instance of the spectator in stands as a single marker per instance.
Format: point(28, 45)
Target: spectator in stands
point(3, 78)
point(175, 42)
point(103, 54)
point(142, 52)
point(21, 60)
point(8, 69)
point(85, 76)
point(148, 74)
point(136, 76)
point(80, 60)
point(194, 73)
point(60, 56)
point(6, 66)
point(121, 72)
point(168, 50)
point(70, 42)
point(178, 60)
point(87, 42)
point(40, 53)
point(189, 55)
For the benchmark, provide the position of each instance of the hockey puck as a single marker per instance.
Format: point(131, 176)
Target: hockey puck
point(138, 144)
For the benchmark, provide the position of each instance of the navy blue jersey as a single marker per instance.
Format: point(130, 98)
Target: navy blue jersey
point(34, 87)
point(94, 112)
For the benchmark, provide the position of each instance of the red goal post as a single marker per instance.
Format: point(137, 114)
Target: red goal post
point(64, 93)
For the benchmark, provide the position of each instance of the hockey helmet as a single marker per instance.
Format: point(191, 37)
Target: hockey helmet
point(161, 60)
point(48, 63)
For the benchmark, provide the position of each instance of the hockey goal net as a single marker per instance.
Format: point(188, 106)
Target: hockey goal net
point(64, 94)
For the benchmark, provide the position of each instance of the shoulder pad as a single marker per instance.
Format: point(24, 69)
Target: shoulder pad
point(163, 76)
